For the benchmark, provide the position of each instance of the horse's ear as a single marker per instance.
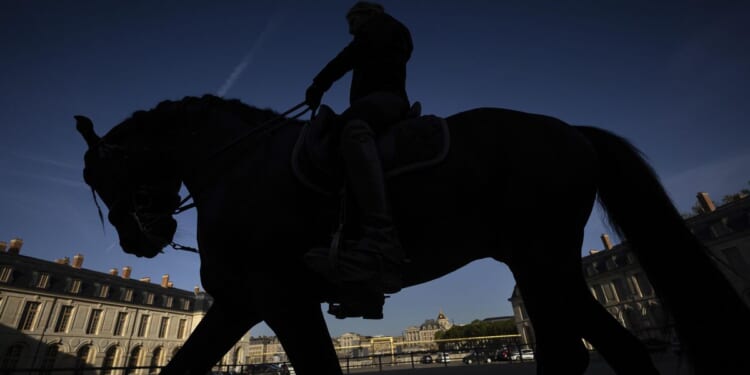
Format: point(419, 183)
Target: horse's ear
point(86, 128)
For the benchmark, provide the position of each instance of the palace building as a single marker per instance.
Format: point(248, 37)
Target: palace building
point(61, 315)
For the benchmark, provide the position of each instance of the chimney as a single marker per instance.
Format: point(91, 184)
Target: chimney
point(15, 246)
point(170, 284)
point(3, 246)
point(65, 261)
point(165, 281)
point(113, 271)
point(77, 261)
point(197, 290)
point(607, 243)
point(705, 202)
point(126, 272)
point(145, 279)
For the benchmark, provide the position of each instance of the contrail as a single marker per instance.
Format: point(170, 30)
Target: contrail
point(248, 58)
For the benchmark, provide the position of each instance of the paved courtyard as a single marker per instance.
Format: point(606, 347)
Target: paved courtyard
point(668, 365)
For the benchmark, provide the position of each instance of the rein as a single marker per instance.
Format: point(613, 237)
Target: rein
point(262, 128)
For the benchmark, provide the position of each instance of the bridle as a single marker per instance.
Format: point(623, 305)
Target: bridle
point(265, 127)
point(146, 220)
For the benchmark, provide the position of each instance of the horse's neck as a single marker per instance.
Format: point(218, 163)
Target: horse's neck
point(222, 146)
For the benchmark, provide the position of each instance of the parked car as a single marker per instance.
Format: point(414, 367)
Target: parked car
point(426, 359)
point(477, 357)
point(526, 355)
point(443, 358)
point(268, 369)
point(502, 355)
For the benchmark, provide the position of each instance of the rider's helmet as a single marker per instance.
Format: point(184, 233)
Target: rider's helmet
point(364, 7)
point(360, 12)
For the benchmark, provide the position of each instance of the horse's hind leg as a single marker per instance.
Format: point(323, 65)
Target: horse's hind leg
point(303, 333)
point(221, 328)
point(546, 296)
point(563, 311)
point(619, 347)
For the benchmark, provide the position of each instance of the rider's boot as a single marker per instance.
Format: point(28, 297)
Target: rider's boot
point(376, 259)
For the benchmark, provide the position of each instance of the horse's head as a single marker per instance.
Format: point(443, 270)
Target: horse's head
point(134, 181)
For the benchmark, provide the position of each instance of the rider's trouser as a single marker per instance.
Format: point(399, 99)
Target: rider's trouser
point(365, 173)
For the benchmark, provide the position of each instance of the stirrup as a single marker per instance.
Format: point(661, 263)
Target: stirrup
point(358, 307)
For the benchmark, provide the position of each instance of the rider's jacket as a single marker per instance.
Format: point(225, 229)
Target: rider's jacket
point(377, 57)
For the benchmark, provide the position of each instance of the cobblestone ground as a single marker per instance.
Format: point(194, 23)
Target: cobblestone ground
point(668, 365)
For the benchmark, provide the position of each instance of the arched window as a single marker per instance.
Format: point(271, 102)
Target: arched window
point(111, 357)
point(82, 359)
point(50, 357)
point(133, 361)
point(156, 361)
point(12, 356)
point(238, 360)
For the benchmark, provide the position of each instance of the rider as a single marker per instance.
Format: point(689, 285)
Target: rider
point(377, 57)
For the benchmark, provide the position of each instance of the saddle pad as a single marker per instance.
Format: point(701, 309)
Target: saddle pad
point(407, 146)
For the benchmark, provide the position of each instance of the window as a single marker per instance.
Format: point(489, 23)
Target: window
point(149, 298)
point(28, 316)
point(127, 295)
point(596, 291)
point(156, 361)
point(133, 361)
point(163, 327)
point(63, 319)
point(43, 281)
point(75, 286)
point(104, 291)
point(6, 274)
point(186, 304)
point(50, 357)
point(120, 323)
point(92, 327)
point(82, 358)
point(642, 284)
point(111, 357)
point(609, 293)
point(143, 326)
point(181, 328)
point(12, 356)
point(168, 301)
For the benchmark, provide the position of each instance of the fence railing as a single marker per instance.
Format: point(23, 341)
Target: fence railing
point(375, 362)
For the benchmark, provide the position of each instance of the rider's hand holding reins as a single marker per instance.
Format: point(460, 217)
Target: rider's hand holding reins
point(313, 96)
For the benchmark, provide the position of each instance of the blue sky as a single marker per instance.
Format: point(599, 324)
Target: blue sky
point(672, 76)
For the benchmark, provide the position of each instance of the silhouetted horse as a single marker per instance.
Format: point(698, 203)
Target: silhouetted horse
point(513, 186)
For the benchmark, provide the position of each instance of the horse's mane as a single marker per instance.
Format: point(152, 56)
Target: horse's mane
point(168, 114)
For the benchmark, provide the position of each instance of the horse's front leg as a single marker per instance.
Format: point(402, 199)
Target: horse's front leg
point(303, 333)
point(220, 329)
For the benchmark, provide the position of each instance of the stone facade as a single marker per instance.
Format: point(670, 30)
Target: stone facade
point(60, 315)
point(422, 337)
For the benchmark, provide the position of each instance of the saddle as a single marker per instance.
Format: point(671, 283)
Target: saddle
point(417, 142)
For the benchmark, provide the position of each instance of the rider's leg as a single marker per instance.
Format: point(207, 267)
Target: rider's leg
point(367, 184)
point(376, 258)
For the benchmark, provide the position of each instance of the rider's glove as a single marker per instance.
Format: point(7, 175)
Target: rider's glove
point(313, 96)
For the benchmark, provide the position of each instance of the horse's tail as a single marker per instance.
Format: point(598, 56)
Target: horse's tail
point(707, 311)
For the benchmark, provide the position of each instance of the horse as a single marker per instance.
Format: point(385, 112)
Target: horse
point(504, 174)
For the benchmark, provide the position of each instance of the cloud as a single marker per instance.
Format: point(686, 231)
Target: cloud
point(249, 56)
point(46, 161)
point(54, 180)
